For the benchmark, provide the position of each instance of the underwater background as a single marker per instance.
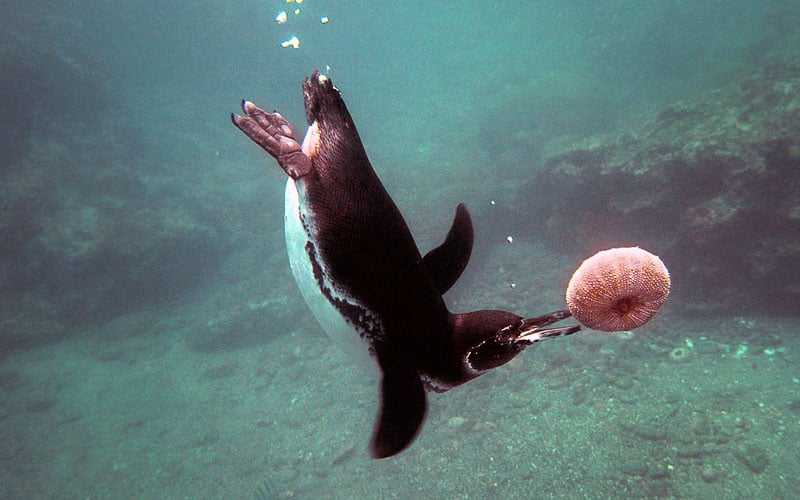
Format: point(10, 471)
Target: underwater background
point(153, 343)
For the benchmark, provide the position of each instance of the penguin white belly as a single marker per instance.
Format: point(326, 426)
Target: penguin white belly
point(331, 320)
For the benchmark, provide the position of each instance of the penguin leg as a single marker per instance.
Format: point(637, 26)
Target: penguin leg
point(531, 330)
point(275, 135)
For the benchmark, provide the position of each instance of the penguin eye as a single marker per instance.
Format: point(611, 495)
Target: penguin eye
point(508, 333)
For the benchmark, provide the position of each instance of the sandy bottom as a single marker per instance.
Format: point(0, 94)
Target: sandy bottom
point(689, 408)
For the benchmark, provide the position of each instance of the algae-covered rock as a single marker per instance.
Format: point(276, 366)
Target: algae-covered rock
point(95, 258)
point(753, 457)
point(91, 227)
point(710, 183)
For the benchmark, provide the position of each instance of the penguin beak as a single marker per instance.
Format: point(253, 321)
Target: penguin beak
point(533, 330)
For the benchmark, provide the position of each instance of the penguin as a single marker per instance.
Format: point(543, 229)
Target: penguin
point(363, 277)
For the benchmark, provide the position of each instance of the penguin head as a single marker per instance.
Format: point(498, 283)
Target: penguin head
point(491, 338)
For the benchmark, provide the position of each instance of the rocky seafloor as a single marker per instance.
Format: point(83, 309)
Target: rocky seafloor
point(680, 409)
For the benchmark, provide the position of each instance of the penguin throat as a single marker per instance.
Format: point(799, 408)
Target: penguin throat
point(311, 141)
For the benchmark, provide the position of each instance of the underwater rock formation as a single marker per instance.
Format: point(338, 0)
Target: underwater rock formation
point(711, 183)
point(91, 226)
point(102, 243)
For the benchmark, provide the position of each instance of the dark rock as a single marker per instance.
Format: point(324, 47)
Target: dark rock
point(711, 184)
point(579, 396)
point(624, 383)
point(558, 383)
point(537, 407)
point(691, 450)
point(44, 405)
point(581, 391)
point(92, 237)
point(709, 473)
point(648, 431)
point(11, 381)
point(97, 263)
point(633, 467)
point(752, 456)
point(659, 473)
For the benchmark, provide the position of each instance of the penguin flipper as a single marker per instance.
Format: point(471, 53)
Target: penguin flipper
point(402, 411)
point(446, 262)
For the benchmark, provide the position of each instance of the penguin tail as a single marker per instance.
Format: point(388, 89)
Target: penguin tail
point(402, 411)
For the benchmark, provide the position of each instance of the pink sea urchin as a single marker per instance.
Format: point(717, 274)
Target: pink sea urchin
point(618, 289)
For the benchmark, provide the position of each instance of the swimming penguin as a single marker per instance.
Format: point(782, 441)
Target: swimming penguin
point(363, 277)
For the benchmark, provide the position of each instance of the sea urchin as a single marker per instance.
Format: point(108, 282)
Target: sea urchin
point(618, 289)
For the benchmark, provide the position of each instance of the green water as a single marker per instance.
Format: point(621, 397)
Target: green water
point(153, 343)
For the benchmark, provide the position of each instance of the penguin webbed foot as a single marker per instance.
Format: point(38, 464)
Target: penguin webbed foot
point(402, 411)
point(532, 330)
point(276, 136)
